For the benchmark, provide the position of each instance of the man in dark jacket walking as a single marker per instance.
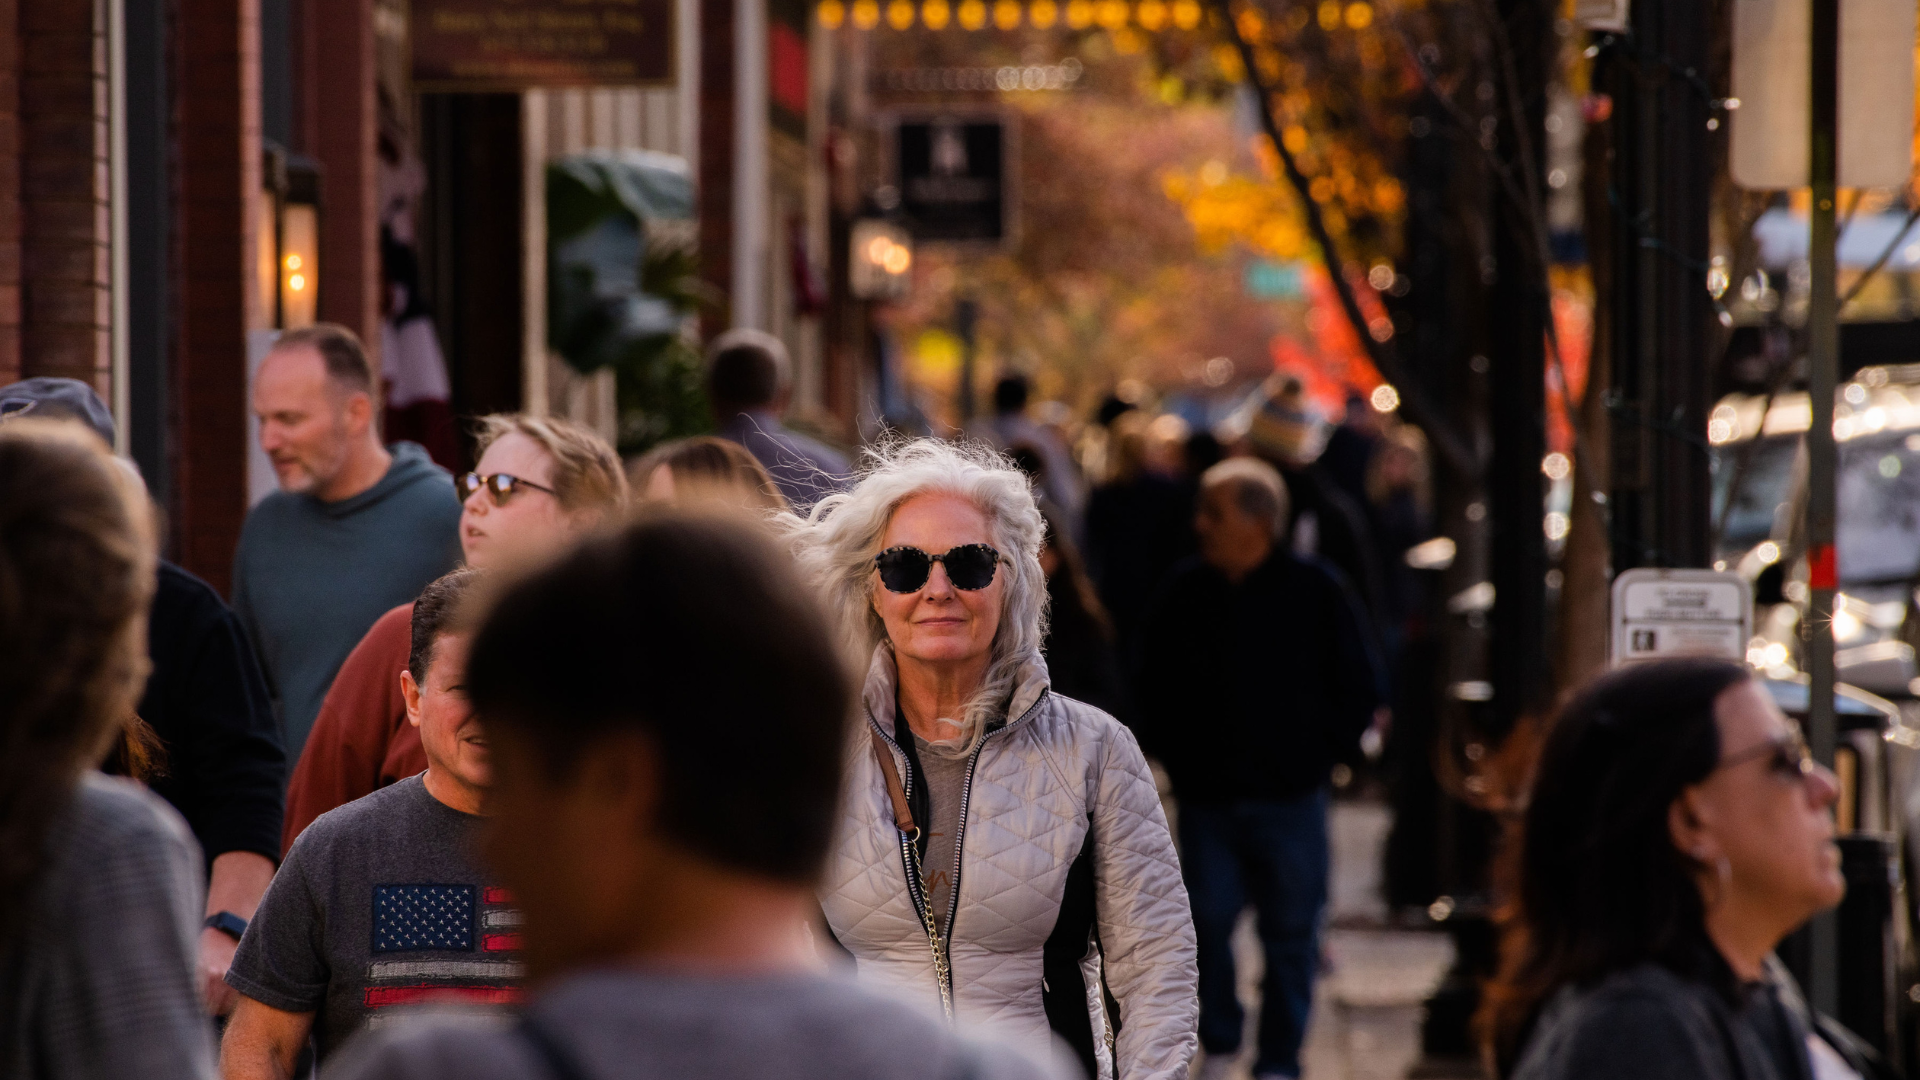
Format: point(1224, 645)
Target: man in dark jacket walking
point(1257, 677)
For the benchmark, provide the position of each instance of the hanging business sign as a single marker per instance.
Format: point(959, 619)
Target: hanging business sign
point(498, 45)
point(1659, 614)
point(952, 177)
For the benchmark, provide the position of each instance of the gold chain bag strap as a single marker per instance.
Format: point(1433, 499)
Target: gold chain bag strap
point(903, 820)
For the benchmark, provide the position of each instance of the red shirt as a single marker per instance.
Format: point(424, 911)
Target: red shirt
point(361, 741)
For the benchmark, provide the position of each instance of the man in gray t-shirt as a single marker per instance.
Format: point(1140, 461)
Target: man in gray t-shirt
point(664, 848)
point(381, 903)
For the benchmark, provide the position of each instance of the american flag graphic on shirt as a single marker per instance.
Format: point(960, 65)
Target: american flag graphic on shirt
point(441, 919)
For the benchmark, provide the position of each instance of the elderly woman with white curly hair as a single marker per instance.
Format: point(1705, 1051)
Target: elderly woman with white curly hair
point(1002, 853)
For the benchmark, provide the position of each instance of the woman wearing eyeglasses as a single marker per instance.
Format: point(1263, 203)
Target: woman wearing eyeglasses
point(539, 483)
point(1676, 832)
point(1003, 856)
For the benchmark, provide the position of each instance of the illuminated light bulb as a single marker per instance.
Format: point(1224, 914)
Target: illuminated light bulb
point(1359, 16)
point(1006, 14)
point(297, 282)
point(293, 262)
point(935, 14)
point(900, 14)
point(1186, 14)
point(866, 14)
point(898, 259)
point(1079, 14)
point(973, 14)
point(831, 14)
point(1384, 398)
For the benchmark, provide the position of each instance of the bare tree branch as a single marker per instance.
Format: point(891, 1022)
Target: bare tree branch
point(1414, 403)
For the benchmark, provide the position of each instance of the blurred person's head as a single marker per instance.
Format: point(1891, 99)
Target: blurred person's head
point(540, 482)
point(627, 691)
point(964, 503)
point(1361, 416)
point(701, 469)
point(1399, 466)
point(47, 397)
point(1166, 444)
point(1029, 462)
point(314, 396)
point(435, 688)
point(1675, 818)
point(1240, 514)
point(747, 370)
point(1283, 424)
point(1127, 445)
point(1203, 451)
point(1010, 394)
point(77, 573)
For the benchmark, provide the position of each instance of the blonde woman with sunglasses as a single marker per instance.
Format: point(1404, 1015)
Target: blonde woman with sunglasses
point(539, 483)
point(1002, 858)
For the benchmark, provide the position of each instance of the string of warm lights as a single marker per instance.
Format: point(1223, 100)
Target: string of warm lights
point(1148, 15)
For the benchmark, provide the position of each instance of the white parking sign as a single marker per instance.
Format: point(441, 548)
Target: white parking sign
point(1664, 613)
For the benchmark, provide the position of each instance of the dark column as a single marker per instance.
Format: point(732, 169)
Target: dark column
point(470, 243)
point(1662, 318)
point(716, 154)
point(1515, 336)
point(218, 143)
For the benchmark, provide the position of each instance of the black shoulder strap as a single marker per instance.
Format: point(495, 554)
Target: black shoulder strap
point(560, 1062)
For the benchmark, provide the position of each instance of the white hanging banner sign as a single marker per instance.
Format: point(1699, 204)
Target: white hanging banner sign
point(1659, 614)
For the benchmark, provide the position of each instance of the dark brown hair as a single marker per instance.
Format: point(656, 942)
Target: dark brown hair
point(691, 630)
point(1598, 885)
point(340, 348)
point(76, 577)
point(710, 467)
point(435, 613)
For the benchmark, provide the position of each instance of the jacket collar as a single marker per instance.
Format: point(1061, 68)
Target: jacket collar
point(1030, 685)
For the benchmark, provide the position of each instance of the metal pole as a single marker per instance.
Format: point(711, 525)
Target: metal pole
point(1823, 348)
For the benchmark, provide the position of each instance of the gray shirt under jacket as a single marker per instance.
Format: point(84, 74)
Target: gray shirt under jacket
point(310, 577)
point(1649, 1023)
point(943, 767)
point(100, 979)
point(636, 1024)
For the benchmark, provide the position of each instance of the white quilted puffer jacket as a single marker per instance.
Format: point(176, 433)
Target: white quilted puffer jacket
point(1036, 787)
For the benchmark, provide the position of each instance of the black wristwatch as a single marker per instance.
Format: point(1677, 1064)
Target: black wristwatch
point(227, 923)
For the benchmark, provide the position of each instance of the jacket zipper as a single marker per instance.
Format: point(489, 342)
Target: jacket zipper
point(920, 900)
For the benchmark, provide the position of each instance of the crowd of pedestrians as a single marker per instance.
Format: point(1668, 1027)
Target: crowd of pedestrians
point(738, 759)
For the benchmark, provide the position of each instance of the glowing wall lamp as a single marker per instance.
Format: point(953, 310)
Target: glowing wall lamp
point(289, 267)
point(881, 261)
